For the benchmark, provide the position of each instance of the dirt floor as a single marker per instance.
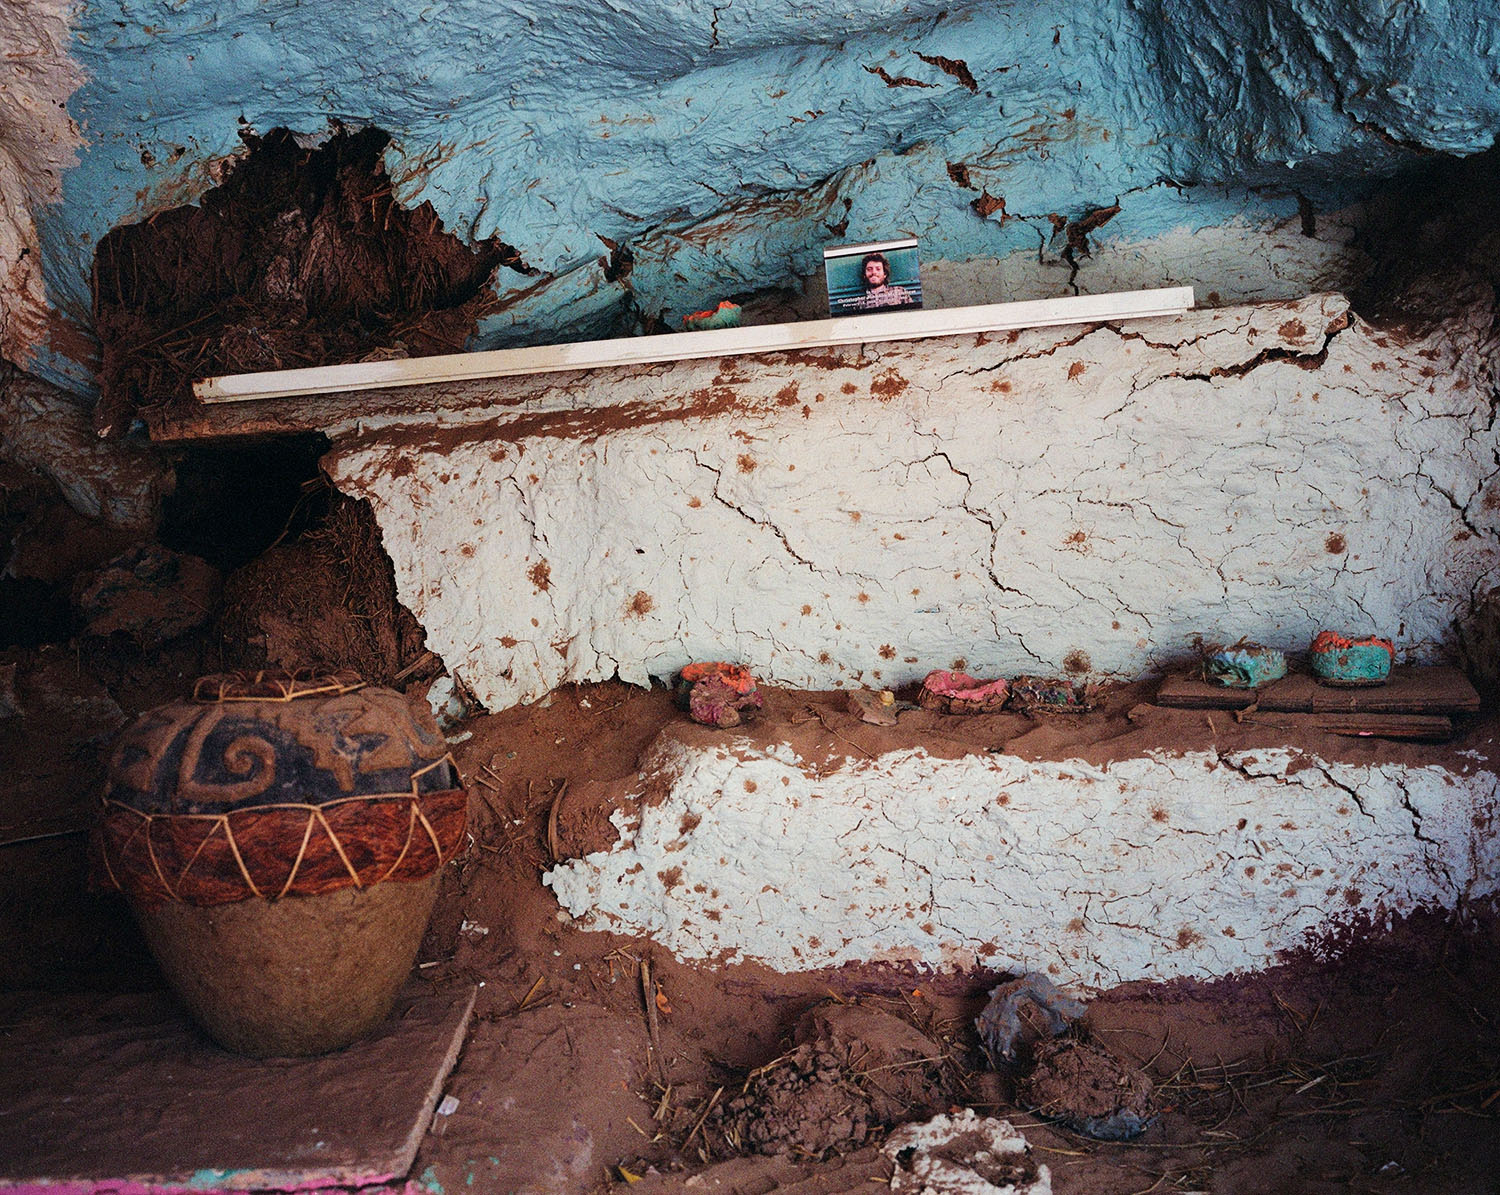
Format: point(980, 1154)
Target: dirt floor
point(596, 1060)
point(1377, 1071)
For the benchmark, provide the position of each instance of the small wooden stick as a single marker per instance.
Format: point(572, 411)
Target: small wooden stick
point(491, 806)
point(653, 1024)
point(554, 847)
point(824, 724)
point(526, 999)
point(702, 1116)
point(412, 667)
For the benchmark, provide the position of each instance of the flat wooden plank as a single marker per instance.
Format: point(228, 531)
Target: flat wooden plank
point(1189, 691)
point(1411, 689)
point(122, 1093)
point(687, 346)
point(1295, 692)
point(1422, 727)
point(1417, 690)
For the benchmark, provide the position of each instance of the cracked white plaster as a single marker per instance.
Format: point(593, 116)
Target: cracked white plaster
point(1147, 868)
point(1011, 501)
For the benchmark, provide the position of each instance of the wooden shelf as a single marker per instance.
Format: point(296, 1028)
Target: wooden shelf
point(686, 346)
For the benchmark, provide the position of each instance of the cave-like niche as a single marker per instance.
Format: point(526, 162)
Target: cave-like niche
point(301, 257)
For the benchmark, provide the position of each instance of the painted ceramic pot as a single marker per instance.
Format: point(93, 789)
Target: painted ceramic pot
point(1339, 660)
point(1244, 666)
point(280, 839)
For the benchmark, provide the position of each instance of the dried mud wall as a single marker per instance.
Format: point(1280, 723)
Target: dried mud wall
point(1079, 499)
point(1199, 864)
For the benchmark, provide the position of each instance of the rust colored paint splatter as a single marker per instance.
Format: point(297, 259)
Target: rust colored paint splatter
point(1077, 369)
point(987, 205)
point(896, 80)
point(1335, 544)
point(888, 385)
point(641, 604)
point(1077, 661)
point(746, 463)
point(541, 575)
point(956, 67)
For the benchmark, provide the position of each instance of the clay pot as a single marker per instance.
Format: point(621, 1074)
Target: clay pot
point(280, 839)
point(300, 975)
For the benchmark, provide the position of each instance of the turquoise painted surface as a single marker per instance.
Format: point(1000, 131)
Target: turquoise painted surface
point(726, 143)
point(1356, 664)
point(1244, 667)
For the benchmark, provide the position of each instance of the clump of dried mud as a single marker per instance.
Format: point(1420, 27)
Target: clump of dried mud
point(854, 1071)
point(1087, 1088)
point(326, 600)
point(301, 257)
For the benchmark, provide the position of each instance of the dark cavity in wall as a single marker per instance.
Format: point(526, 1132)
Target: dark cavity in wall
point(233, 502)
point(308, 581)
point(302, 257)
point(1433, 236)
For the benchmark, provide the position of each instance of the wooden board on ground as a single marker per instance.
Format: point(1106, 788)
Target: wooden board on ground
point(1189, 691)
point(113, 1093)
point(1411, 689)
point(1432, 728)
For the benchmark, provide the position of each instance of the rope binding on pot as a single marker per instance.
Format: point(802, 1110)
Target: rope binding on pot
point(275, 784)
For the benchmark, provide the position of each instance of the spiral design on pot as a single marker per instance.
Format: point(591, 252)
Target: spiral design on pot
point(245, 755)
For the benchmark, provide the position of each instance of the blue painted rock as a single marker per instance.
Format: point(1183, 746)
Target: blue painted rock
point(1244, 666)
point(1339, 660)
point(725, 315)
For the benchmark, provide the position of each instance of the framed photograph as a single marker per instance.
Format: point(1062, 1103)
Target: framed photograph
point(874, 277)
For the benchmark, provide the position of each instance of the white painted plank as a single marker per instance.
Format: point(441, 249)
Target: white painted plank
point(683, 346)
